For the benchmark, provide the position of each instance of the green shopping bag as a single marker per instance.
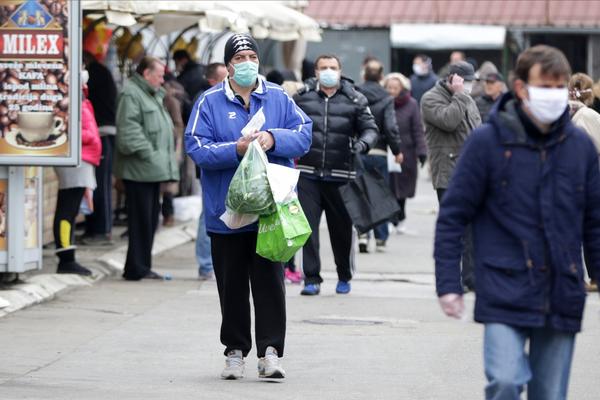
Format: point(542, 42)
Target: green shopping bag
point(283, 233)
point(249, 191)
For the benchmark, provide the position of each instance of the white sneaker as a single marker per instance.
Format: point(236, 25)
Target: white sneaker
point(270, 365)
point(234, 365)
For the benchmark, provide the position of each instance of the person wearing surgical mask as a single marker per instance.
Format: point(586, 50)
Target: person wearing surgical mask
point(529, 183)
point(423, 77)
point(215, 143)
point(343, 129)
point(449, 115)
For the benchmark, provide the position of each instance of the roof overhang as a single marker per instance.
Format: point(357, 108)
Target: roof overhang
point(264, 19)
point(447, 36)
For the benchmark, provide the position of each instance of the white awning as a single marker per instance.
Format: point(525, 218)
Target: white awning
point(447, 36)
point(265, 19)
point(120, 18)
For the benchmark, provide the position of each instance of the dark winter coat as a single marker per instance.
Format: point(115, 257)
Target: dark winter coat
point(484, 105)
point(193, 80)
point(413, 145)
point(448, 118)
point(382, 108)
point(533, 203)
point(338, 122)
point(102, 94)
point(421, 84)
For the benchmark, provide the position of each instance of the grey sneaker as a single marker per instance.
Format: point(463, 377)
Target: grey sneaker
point(234, 365)
point(206, 276)
point(270, 365)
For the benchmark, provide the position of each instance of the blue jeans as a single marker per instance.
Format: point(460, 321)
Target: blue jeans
point(508, 368)
point(378, 164)
point(203, 253)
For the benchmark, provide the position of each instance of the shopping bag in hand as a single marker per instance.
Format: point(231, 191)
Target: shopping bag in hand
point(249, 191)
point(283, 233)
point(368, 200)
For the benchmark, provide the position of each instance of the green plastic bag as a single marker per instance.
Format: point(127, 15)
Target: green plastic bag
point(283, 233)
point(249, 191)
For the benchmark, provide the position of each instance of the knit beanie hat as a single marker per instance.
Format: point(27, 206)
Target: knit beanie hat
point(237, 43)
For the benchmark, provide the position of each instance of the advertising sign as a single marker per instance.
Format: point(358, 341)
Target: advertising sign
point(39, 82)
point(3, 215)
point(31, 217)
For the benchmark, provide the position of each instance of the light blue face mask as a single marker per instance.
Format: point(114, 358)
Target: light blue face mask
point(329, 78)
point(245, 73)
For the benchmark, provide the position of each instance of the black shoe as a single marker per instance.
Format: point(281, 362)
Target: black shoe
point(153, 275)
point(96, 240)
point(362, 248)
point(73, 267)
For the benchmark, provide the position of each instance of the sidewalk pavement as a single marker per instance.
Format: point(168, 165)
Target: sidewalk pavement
point(156, 340)
point(159, 340)
point(35, 287)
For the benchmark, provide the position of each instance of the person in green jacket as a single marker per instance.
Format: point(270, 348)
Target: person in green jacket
point(144, 157)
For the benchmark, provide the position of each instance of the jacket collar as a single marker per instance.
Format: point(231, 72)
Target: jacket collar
point(427, 76)
point(261, 88)
point(443, 89)
point(373, 91)
point(346, 87)
point(140, 82)
point(505, 117)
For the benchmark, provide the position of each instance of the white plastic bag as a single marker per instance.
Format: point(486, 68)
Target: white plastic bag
point(282, 181)
point(255, 124)
point(393, 166)
point(235, 220)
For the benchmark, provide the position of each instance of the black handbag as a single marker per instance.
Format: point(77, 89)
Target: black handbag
point(368, 199)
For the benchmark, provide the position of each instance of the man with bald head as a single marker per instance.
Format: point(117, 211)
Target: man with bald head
point(382, 107)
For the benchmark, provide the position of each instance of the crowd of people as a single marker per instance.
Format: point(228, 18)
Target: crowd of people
point(514, 164)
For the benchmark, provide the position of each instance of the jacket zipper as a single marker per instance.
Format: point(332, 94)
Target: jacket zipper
point(325, 135)
point(543, 156)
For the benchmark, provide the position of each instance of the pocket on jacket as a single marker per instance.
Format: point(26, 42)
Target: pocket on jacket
point(151, 123)
point(501, 188)
point(570, 288)
point(570, 296)
point(505, 283)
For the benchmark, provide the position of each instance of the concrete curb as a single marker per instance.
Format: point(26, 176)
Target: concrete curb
point(44, 287)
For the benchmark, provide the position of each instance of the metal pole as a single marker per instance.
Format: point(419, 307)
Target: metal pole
point(16, 217)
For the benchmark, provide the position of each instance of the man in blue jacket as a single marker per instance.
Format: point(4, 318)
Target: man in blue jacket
point(214, 142)
point(529, 181)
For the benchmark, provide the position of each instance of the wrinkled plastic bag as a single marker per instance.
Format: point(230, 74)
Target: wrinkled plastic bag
point(249, 191)
point(237, 213)
point(393, 166)
point(255, 124)
point(282, 181)
point(235, 220)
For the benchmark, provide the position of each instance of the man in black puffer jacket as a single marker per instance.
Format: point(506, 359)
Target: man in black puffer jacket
point(343, 126)
point(382, 107)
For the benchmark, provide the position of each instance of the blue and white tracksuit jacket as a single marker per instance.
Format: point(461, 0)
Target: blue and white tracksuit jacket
point(215, 126)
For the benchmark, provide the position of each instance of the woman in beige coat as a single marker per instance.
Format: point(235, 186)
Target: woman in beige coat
point(581, 97)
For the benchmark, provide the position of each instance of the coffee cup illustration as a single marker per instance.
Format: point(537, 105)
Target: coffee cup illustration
point(38, 126)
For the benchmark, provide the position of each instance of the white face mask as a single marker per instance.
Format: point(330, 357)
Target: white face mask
point(329, 78)
point(85, 77)
point(418, 69)
point(547, 104)
point(468, 87)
